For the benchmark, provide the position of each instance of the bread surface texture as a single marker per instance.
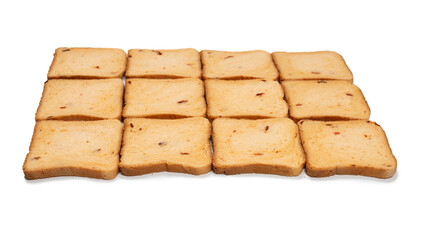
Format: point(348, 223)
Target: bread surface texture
point(172, 63)
point(256, 64)
point(164, 98)
point(156, 145)
point(325, 100)
point(270, 146)
point(88, 63)
point(355, 147)
point(81, 100)
point(322, 65)
point(74, 148)
point(245, 99)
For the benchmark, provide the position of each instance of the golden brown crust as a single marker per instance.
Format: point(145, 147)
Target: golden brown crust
point(179, 168)
point(162, 167)
point(322, 118)
point(160, 116)
point(70, 171)
point(159, 76)
point(75, 118)
point(259, 168)
point(249, 117)
point(82, 77)
point(350, 170)
point(240, 77)
point(141, 170)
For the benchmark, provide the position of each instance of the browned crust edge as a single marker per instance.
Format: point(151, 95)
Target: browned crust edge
point(317, 78)
point(240, 78)
point(162, 167)
point(161, 76)
point(76, 118)
point(258, 168)
point(70, 171)
point(350, 170)
point(326, 118)
point(250, 117)
point(97, 77)
point(164, 116)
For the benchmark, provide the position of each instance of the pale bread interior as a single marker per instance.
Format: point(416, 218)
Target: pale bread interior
point(238, 65)
point(164, 97)
point(88, 63)
point(311, 66)
point(346, 144)
point(273, 142)
point(324, 99)
point(78, 145)
point(245, 99)
point(81, 99)
point(172, 63)
point(184, 142)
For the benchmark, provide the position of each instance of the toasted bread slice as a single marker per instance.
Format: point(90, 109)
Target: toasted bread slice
point(177, 63)
point(245, 99)
point(88, 63)
point(156, 145)
point(238, 65)
point(325, 100)
point(77, 148)
point(356, 147)
point(164, 98)
point(269, 146)
point(323, 65)
point(81, 100)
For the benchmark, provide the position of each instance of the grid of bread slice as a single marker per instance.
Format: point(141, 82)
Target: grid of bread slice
point(168, 98)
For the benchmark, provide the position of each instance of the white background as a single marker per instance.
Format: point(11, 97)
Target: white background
point(383, 42)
